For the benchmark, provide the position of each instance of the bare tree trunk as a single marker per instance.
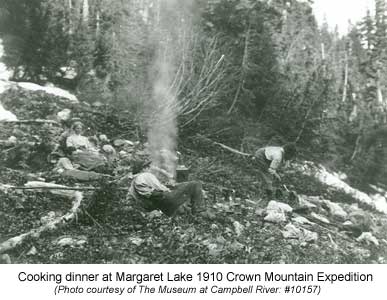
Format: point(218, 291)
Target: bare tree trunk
point(322, 51)
point(77, 10)
point(70, 16)
point(357, 148)
point(244, 67)
point(85, 11)
point(97, 25)
point(379, 89)
point(345, 79)
point(353, 114)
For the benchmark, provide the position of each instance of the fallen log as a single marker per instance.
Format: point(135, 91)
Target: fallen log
point(85, 188)
point(36, 121)
point(49, 188)
point(231, 149)
point(52, 225)
point(9, 143)
point(224, 146)
point(44, 186)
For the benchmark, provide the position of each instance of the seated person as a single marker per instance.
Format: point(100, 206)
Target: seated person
point(77, 141)
point(151, 194)
point(83, 151)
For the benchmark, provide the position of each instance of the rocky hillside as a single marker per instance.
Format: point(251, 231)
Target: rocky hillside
point(315, 217)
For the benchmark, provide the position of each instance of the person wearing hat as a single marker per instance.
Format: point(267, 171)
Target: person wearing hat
point(269, 159)
point(153, 188)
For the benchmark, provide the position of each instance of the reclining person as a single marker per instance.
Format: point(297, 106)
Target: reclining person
point(83, 151)
point(151, 194)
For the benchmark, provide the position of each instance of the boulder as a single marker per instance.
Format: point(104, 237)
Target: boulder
point(276, 212)
point(278, 207)
point(32, 251)
point(136, 240)
point(71, 241)
point(121, 142)
point(368, 238)
point(300, 234)
point(103, 138)
point(214, 249)
point(108, 149)
point(238, 227)
point(64, 115)
point(275, 217)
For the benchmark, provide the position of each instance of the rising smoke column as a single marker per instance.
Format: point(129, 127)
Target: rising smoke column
point(162, 128)
point(162, 133)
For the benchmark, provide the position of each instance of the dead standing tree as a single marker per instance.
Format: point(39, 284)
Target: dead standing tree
point(198, 79)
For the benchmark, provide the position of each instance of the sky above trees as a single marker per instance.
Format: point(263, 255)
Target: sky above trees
point(338, 12)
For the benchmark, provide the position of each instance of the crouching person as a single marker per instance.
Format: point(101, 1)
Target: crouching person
point(151, 194)
point(269, 159)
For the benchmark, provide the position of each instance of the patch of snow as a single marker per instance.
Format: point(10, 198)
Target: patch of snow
point(6, 115)
point(48, 89)
point(377, 201)
point(4, 85)
point(5, 74)
point(336, 210)
point(304, 201)
point(380, 202)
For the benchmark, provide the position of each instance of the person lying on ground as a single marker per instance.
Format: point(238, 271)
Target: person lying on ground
point(150, 193)
point(269, 159)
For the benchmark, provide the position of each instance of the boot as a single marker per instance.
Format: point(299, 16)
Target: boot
point(269, 193)
point(278, 194)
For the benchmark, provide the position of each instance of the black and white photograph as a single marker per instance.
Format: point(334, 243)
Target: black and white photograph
point(193, 132)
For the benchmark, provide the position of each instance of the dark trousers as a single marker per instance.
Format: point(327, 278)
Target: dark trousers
point(169, 202)
point(262, 164)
